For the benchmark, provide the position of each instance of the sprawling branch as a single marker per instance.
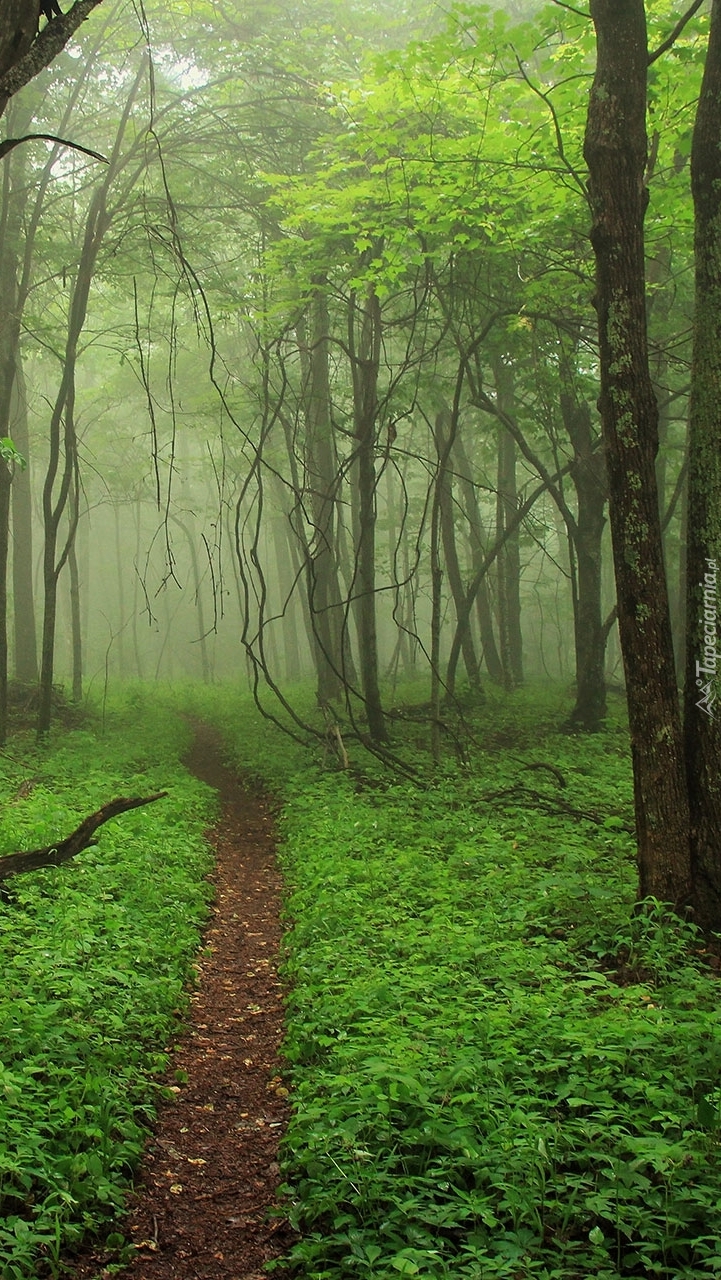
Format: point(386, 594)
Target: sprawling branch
point(9, 144)
point(82, 838)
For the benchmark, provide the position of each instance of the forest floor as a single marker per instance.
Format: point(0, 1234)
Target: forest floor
point(208, 1182)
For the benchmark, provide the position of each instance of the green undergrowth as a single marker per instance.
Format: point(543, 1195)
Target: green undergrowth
point(95, 959)
point(499, 1068)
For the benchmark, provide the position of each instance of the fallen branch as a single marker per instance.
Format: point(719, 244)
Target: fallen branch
point(554, 805)
point(82, 838)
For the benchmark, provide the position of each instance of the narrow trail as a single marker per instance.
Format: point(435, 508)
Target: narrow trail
point(210, 1175)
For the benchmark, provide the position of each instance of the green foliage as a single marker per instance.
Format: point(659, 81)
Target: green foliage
point(500, 1068)
point(95, 960)
point(9, 453)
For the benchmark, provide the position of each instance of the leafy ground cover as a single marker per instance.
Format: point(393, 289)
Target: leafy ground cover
point(499, 1068)
point(95, 958)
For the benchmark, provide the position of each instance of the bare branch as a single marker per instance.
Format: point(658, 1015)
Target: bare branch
point(673, 37)
point(545, 97)
point(9, 145)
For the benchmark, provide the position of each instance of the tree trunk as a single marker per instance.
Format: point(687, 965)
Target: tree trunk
point(365, 361)
point(202, 639)
point(138, 516)
point(10, 230)
point(120, 579)
point(702, 714)
point(446, 430)
point(26, 646)
point(77, 641)
point(403, 600)
point(589, 478)
point(616, 152)
point(287, 584)
point(5, 485)
point(477, 543)
point(509, 556)
point(62, 462)
point(321, 487)
point(24, 53)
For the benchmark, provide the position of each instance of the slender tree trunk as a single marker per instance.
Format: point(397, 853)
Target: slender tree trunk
point(477, 543)
point(589, 478)
point(137, 511)
point(436, 607)
point(26, 647)
point(287, 597)
point(120, 579)
point(10, 227)
point(445, 433)
point(202, 639)
point(365, 361)
point(77, 641)
point(401, 651)
point(616, 153)
point(509, 556)
point(703, 662)
point(62, 462)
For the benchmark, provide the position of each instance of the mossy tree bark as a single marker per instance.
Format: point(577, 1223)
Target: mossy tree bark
point(24, 51)
point(702, 714)
point(616, 155)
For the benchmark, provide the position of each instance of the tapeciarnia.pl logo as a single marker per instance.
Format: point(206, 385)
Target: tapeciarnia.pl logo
point(709, 665)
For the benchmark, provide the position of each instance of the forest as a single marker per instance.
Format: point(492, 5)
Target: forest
point(360, 748)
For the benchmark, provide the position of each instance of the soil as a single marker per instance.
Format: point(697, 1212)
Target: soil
point(206, 1200)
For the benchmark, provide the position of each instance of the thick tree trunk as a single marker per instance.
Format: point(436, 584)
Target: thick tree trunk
point(5, 486)
point(615, 151)
point(321, 490)
point(703, 662)
point(24, 53)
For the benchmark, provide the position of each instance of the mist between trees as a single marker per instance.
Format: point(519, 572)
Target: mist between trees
point(330, 340)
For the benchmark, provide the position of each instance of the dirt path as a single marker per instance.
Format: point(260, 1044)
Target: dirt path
point(210, 1172)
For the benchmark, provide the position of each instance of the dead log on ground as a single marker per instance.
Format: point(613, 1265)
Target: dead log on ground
point(82, 838)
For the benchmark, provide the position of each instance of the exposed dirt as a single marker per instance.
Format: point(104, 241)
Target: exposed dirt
point(209, 1177)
